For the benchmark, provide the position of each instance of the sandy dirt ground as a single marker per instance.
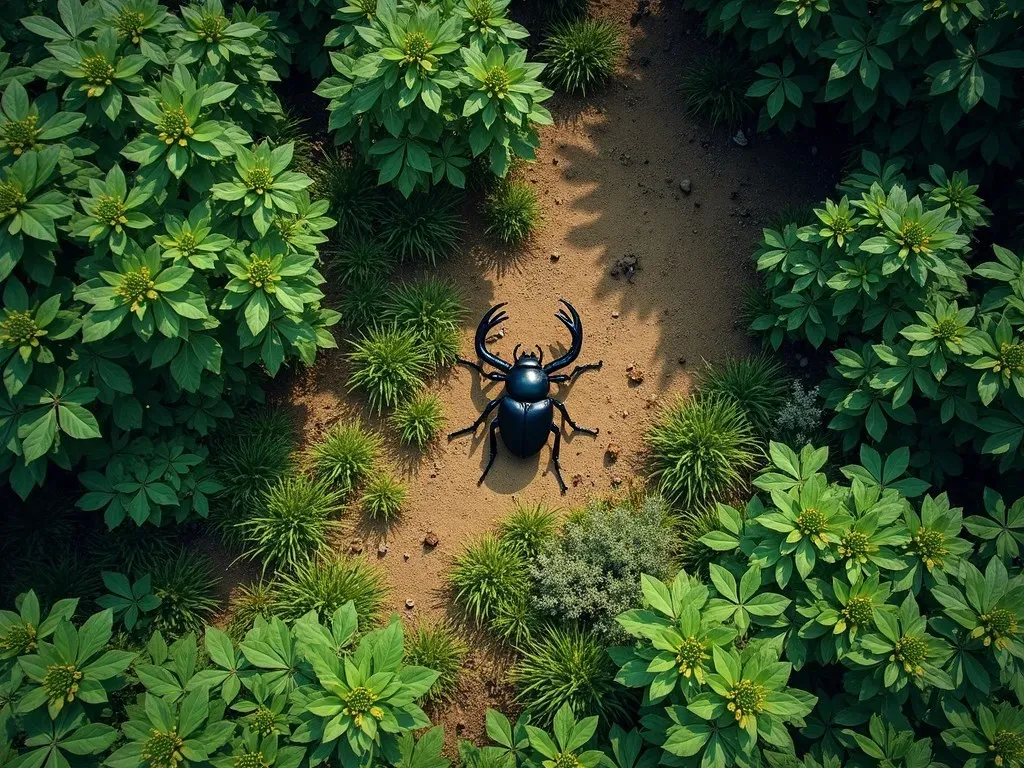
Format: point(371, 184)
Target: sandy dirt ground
point(608, 175)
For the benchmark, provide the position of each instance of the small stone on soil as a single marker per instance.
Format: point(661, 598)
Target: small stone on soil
point(635, 373)
point(356, 547)
point(686, 186)
point(616, 481)
point(382, 550)
point(431, 540)
point(405, 555)
point(740, 139)
point(410, 604)
point(576, 480)
point(615, 315)
point(612, 452)
point(555, 256)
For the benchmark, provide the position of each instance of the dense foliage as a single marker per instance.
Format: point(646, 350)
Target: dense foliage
point(156, 253)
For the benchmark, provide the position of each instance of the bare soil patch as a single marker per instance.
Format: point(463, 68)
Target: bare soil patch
point(649, 222)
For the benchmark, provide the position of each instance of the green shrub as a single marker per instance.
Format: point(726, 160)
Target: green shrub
point(424, 305)
point(427, 227)
point(419, 420)
point(700, 448)
point(346, 455)
point(591, 572)
point(187, 588)
point(388, 364)
point(292, 522)
point(688, 528)
point(351, 189)
point(250, 456)
point(59, 573)
point(758, 384)
point(512, 211)
point(567, 666)
point(383, 498)
point(528, 527)
point(250, 602)
point(325, 584)
point(438, 647)
point(130, 549)
point(486, 575)
point(362, 303)
point(714, 89)
point(360, 259)
point(582, 54)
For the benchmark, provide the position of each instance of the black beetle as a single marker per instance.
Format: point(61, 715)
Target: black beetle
point(525, 410)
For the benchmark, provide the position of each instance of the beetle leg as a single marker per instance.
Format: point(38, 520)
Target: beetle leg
point(568, 419)
point(477, 367)
point(558, 378)
point(555, 450)
point(494, 451)
point(472, 427)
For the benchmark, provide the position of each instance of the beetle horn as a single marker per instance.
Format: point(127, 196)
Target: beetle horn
point(540, 354)
point(515, 353)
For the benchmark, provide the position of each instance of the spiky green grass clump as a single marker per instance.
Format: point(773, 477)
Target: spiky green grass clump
point(131, 549)
point(568, 666)
point(327, 583)
point(292, 522)
point(362, 303)
point(517, 621)
point(346, 455)
point(255, 452)
point(356, 201)
point(251, 602)
point(693, 556)
point(419, 420)
point(512, 211)
point(187, 588)
point(487, 574)
point(438, 647)
point(528, 527)
point(359, 258)
point(388, 365)
point(432, 309)
point(582, 54)
point(714, 89)
point(426, 227)
point(758, 384)
point(58, 573)
point(700, 449)
point(383, 498)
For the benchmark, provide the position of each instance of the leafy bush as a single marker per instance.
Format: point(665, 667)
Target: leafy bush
point(567, 667)
point(512, 211)
point(714, 89)
point(383, 498)
point(921, 357)
point(758, 384)
point(426, 227)
point(591, 572)
point(528, 527)
point(700, 448)
point(187, 589)
point(346, 455)
point(486, 575)
point(180, 279)
point(325, 584)
point(438, 647)
point(421, 89)
point(582, 54)
point(292, 523)
point(419, 420)
point(388, 364)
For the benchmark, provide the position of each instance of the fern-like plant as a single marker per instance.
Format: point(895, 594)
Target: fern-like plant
point(419, 420)
point(582, 54)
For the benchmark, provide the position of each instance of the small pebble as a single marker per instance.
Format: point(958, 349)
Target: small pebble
point(615, 315)
point(410, 604)
point(382, 550)
point(405, 555)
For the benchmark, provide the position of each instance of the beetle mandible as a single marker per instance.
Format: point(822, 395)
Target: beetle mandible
point(525, 409)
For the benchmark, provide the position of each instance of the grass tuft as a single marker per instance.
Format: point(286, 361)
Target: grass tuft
point(714, 89)
point(388, 364)
point(356, 201)
point(695, 557)
point(345, 455)
point(360, 258)
point(438, 647)
point(327, 583)
point(528, 527)
point(419, 420)
point(186, 586)
point(512, 211)
point(292, 522)
point(568, 666)
point(432, 309)
point(758, 384)
point(383, 498)
point(700, 449)
point(487, 574)
point(251, 602)
point(425, 227)
point(582, 54)
point(362, 302)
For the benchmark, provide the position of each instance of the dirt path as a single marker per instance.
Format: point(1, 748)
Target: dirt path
point(608, 176)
